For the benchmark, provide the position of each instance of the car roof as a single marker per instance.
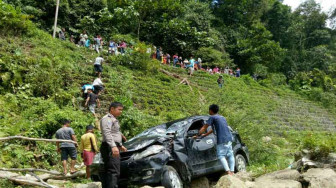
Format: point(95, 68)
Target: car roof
point(191, 118)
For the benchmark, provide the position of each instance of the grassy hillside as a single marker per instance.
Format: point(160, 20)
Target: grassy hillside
point(40, 86)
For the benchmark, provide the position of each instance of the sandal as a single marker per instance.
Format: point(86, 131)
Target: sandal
point(74, 172)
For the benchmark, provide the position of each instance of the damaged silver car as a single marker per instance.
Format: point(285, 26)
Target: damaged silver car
point(167, 155)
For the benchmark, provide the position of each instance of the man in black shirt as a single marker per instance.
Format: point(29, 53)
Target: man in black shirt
point(92, 100)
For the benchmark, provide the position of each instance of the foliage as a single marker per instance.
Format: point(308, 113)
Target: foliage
point(212, 57)
point(12, 21)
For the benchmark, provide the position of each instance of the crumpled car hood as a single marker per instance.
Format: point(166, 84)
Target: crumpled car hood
point(144, 141)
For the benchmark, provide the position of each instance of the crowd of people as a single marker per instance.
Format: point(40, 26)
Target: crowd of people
point(112, 138)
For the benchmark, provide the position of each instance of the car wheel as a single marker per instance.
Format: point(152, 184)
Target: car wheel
point(170, 178)
point(240, 163)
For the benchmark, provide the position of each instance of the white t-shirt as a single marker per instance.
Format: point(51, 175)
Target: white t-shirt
point(99, 61)
point(97, 82)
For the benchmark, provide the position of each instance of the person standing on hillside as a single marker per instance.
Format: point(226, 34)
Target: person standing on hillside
point(65, 148)
point(224, 138)
point(111, 146)
point(92, 101)
point(61, 34)
point(238, 72)
point(98, 86)
point(88, 147)
point(191, 65)
point(83, 38)
point(98, 65)
point(220, 81)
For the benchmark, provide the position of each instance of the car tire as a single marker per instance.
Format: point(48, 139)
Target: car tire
point(240, 163)
point(170, 178)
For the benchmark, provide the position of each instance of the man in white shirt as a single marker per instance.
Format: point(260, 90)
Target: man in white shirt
point(98, 86)
point(98, 65)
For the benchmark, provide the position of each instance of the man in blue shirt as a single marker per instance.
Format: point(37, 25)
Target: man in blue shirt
point(224, 138)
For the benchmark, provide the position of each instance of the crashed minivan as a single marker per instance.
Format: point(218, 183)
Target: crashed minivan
point(168, 155)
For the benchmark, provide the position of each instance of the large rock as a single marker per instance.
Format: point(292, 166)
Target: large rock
point(244, 176)
point(229, 181)
point(280, 179)
point(286, 174)
point(318, 178)
point(277, 183)
point(89, 185)
point(202, 182)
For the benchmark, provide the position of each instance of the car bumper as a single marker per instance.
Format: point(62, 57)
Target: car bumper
point(145, 171)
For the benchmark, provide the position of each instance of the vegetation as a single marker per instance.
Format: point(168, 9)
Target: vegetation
point(41, 77)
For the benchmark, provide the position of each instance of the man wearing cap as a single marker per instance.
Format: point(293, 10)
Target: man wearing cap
point(111, 146)
point(65, 148)
point(88, 147)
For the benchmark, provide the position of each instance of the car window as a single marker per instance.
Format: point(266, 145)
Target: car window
point(177, 127)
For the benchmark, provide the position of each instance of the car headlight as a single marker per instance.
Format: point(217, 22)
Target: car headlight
point(148, 152)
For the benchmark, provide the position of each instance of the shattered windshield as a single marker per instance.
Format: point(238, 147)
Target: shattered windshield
point(161, 130)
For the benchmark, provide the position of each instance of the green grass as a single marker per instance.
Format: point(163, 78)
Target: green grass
point(40, 86)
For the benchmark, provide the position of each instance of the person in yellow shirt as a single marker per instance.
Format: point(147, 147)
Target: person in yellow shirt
point(88, 147)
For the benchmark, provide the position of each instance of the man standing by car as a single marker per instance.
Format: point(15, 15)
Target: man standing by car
point(111, 145)
point(224, 138)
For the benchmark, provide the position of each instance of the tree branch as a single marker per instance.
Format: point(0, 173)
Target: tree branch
point(36, 139)
point(30, 170)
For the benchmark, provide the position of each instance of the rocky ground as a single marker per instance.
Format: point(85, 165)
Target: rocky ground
point(309, 171)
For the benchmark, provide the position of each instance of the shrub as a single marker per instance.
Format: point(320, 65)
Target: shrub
point(13, 21)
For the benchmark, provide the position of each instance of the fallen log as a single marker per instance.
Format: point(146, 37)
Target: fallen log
point(30, 170)
point(35, 139)
point(43, 182)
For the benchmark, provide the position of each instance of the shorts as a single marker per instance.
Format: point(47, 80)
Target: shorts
point(92, 108)
point(98, 68)
point(191, 70)
point(68, 151)
point(88, 157)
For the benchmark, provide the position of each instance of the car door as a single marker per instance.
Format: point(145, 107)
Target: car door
point(201, 153)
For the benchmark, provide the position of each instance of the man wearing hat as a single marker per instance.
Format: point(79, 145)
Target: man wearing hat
point(88, 148)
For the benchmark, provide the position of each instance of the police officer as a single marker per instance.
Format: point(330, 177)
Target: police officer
point(111, 146)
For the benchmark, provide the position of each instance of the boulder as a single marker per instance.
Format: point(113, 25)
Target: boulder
point(202, 182)
point(57, 182)
point(277, 183)
point(317, 177)
point(89, 185)
point(230, 181)
point(286, 174)
point(250, 184)
point(244, 176)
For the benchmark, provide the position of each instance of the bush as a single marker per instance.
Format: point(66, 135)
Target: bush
point(212, 57)
point(13, 21)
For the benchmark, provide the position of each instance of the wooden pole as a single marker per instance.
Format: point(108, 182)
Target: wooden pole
point(56, 17)
point(36, 139)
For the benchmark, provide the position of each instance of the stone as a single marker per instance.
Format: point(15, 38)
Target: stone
point(286, 174)
point(277, 183)
point(230, 181)
point(266, 139)
point(202, 182)
point(249, 184)
point(318, 177)
point(146, 186)
point(244, 176)
point(57, 182)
